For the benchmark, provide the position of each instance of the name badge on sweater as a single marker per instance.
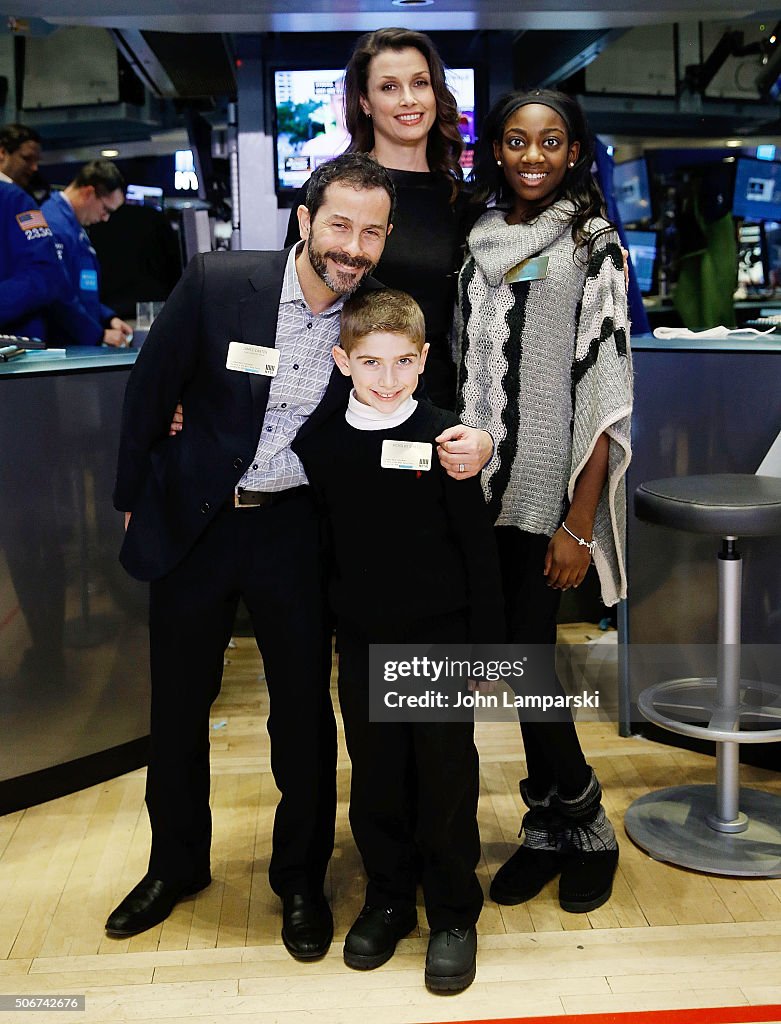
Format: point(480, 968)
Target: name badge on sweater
point(534, 269)
point(88, 280)
point(252, 359)
point(406, 455)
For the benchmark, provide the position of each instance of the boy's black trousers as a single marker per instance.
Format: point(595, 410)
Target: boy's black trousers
point(413, 798)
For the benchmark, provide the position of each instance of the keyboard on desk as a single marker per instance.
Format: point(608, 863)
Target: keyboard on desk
point(763, 322)
point(12, 345)
point(21, 341)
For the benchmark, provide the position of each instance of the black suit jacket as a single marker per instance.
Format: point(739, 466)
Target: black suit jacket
point(174, 486)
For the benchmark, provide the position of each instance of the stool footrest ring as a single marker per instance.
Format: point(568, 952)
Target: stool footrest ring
point(682, 705)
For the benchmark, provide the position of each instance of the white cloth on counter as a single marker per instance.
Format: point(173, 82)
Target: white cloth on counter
point(713, 333)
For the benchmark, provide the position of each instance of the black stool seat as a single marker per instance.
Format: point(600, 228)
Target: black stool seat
point(724, 504)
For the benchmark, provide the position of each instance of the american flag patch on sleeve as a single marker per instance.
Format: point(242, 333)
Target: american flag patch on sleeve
point(31, 219)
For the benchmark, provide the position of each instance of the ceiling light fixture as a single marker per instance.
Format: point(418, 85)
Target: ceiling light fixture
point(109, 152)
point(412, 3)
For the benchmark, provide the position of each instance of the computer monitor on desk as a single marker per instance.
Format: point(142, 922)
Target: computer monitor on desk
point(757, 195)
point(753, 270)
point(632, 191)
point(642, 253)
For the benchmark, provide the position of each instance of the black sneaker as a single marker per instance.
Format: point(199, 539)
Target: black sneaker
point(451, 960)
point(372, 939)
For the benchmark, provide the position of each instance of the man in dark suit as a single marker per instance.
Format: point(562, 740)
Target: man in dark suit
point(221, 511)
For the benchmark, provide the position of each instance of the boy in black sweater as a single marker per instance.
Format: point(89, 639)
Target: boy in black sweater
point(414, 561)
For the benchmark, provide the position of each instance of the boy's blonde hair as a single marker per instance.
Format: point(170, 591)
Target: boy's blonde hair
point(381, 310)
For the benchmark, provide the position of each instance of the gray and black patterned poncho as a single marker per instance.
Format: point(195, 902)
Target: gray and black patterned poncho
point(545, 366)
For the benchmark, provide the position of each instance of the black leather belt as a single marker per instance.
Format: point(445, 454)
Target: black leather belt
point(263, 499)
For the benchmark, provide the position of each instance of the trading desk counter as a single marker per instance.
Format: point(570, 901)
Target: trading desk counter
point(74, 691)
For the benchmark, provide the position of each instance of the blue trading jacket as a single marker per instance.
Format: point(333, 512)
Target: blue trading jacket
point(83, 316)
point(30, 272)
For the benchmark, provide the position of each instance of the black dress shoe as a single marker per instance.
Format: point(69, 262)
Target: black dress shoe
point(372, 939)
point(307, 926)
point(148, 904)
point(451, 960)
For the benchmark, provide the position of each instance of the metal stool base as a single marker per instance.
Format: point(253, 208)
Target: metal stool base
point(671, 825)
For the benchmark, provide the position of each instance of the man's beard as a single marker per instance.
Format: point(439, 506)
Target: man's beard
point(340, 284)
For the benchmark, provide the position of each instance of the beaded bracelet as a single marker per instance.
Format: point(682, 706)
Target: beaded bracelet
point(590, 544)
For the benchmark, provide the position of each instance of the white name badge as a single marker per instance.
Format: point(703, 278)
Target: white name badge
point(406, 455)
point(252, 359)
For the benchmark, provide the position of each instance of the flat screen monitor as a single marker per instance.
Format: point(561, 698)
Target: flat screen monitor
point(140, 194)
point(310, 125)
point(752, 259)
point(462, 84)
point(642, 252)
point(773, 249)
point(632, 191)
point(757, 193)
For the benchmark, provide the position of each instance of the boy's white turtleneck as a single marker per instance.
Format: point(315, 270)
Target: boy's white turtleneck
point(365, 417)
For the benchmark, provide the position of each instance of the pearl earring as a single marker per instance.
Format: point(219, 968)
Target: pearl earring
point(572, 163)
point(498, 163)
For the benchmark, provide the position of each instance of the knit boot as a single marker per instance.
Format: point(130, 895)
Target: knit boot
point(537, 860)
point(589, 840)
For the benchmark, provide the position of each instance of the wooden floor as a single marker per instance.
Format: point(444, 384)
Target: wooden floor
point(667, 939)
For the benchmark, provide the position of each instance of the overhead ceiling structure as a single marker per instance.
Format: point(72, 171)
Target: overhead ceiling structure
point(363, 15)
point(173, 65)
point(185, 49)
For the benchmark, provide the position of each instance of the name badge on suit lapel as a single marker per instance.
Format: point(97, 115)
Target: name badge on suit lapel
point(534, 269)
point(252, 359)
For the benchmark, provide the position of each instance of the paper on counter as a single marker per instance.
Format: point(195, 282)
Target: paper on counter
point(713, 333)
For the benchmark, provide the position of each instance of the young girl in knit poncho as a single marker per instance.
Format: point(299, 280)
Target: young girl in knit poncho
point(544, 365)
